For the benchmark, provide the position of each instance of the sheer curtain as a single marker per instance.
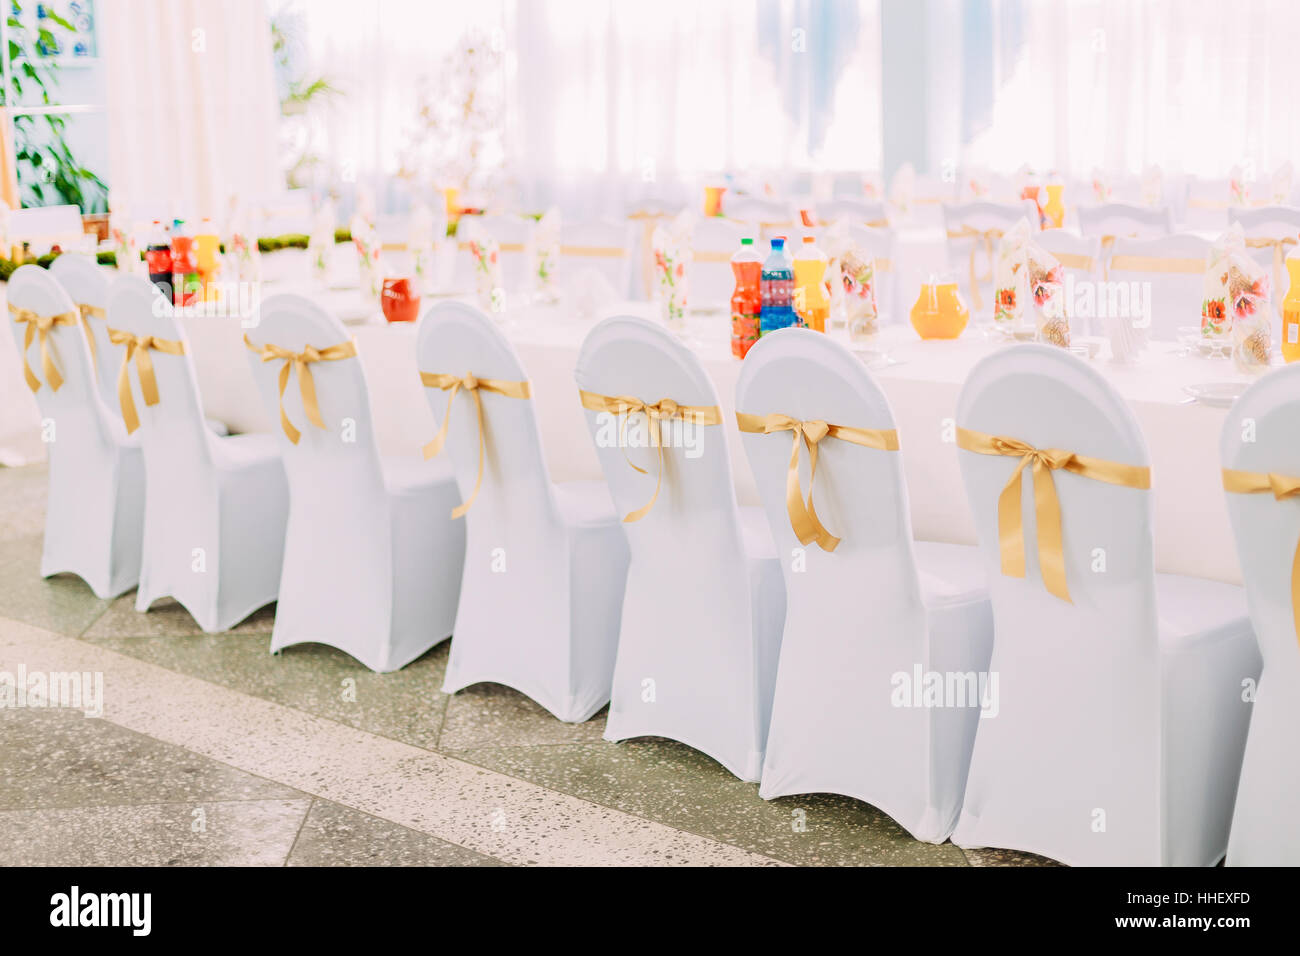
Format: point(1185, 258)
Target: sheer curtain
point(191, 103)
point(1197, 86)
point(603, 100)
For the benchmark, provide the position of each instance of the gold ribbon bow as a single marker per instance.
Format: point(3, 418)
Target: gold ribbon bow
point(302, 363)
point(1047, 507)
point(983, 239)
point(139, 346)
point(89, 312)
point(1280, 487)
point(475, 386)
point(40, 325)
point(655, 412)
point(1279, 254)
point(803, 516)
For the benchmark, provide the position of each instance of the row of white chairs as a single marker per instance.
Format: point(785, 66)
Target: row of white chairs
point(1123, 243)
point(799, 644)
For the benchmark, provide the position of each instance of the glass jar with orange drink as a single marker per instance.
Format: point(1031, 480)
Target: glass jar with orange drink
point(940, 312)
point(1291, 310)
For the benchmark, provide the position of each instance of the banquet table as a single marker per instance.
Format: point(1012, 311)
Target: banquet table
point(922, 380)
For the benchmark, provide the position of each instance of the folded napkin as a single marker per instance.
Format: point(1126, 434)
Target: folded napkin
point(1046, 284)
point(241, 244)
point(1282, 183)
point(589, 293)
point(366, 242)
point(320, 243)
point(1238, 187)
point(1010, 276)
point(1237, 300)
point(671, 248)
point(978, 183)
point(872, 187)
point(1153, 185)
point(858, 279)
point(425, 233)
point(902, 189)
point(544, 256)
point(1101, 187)
point(485, 252)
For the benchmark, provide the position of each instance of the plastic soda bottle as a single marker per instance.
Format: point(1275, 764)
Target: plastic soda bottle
point(777, 287)
point(1291, 311)
point(747, 300)
point(158, 259)
point(185, 266)
point(810, 300)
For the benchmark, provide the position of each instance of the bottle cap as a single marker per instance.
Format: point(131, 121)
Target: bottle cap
point(746, 242)
point(807, 239)
point(778, 242)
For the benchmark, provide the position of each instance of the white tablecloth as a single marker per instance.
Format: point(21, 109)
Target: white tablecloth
point(1192, 535)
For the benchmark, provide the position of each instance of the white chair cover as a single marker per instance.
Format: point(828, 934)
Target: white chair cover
point(1262, 434)
point(94, 516)
point(87, 283)
point(705, 602)
point(980, 216)
point(873, 610)
point(1173, 269)
point(543, 584)
point(1126, 219)
point(1121, 727)
point(608, 248)
point(372, 560)
point(859, 212)
point(713, 242)
point(215, 510)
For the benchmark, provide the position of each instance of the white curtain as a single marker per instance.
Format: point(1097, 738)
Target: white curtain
point(192, 108)
point(1198, 86)
point(602, 99)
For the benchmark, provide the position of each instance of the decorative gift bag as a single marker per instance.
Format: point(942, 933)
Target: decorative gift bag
point(320, 244)
point(671, 286)
point(544, 257)
point(1009, 278)
point(1153, 186)
point(1046, 283)
point(241, 245)
point(1282, 183)
point(420, 243)
point(1101, 188)
point(858, 278)
point(366, 242)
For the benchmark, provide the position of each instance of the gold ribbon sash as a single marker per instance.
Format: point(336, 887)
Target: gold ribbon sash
point(983, 239)
point(803, 516)
point(89, 312)
point(655, 412)
point(1280, 487)
point(139, 346)
point(594, 252)
point(38, 327)
point(1075, 260)
point(1156, 264)
point(474, 386)
point(1047, 507)
point(301, 362)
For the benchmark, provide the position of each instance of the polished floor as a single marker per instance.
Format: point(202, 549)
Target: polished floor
point(212, 751)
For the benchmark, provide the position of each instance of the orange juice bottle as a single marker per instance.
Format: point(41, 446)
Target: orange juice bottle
point(810, 301)
point(1291, 311)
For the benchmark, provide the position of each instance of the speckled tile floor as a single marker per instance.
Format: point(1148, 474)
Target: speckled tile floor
point(211, 751)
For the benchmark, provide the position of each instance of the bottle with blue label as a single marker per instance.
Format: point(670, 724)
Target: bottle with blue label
point(777, 286)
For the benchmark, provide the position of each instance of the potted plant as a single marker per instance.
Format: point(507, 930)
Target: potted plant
point(48, 172)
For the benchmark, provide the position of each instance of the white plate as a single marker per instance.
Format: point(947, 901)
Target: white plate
point(1216, 394)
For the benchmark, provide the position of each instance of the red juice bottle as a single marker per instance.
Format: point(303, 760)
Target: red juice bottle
point(747, 300)
point(158, 259)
